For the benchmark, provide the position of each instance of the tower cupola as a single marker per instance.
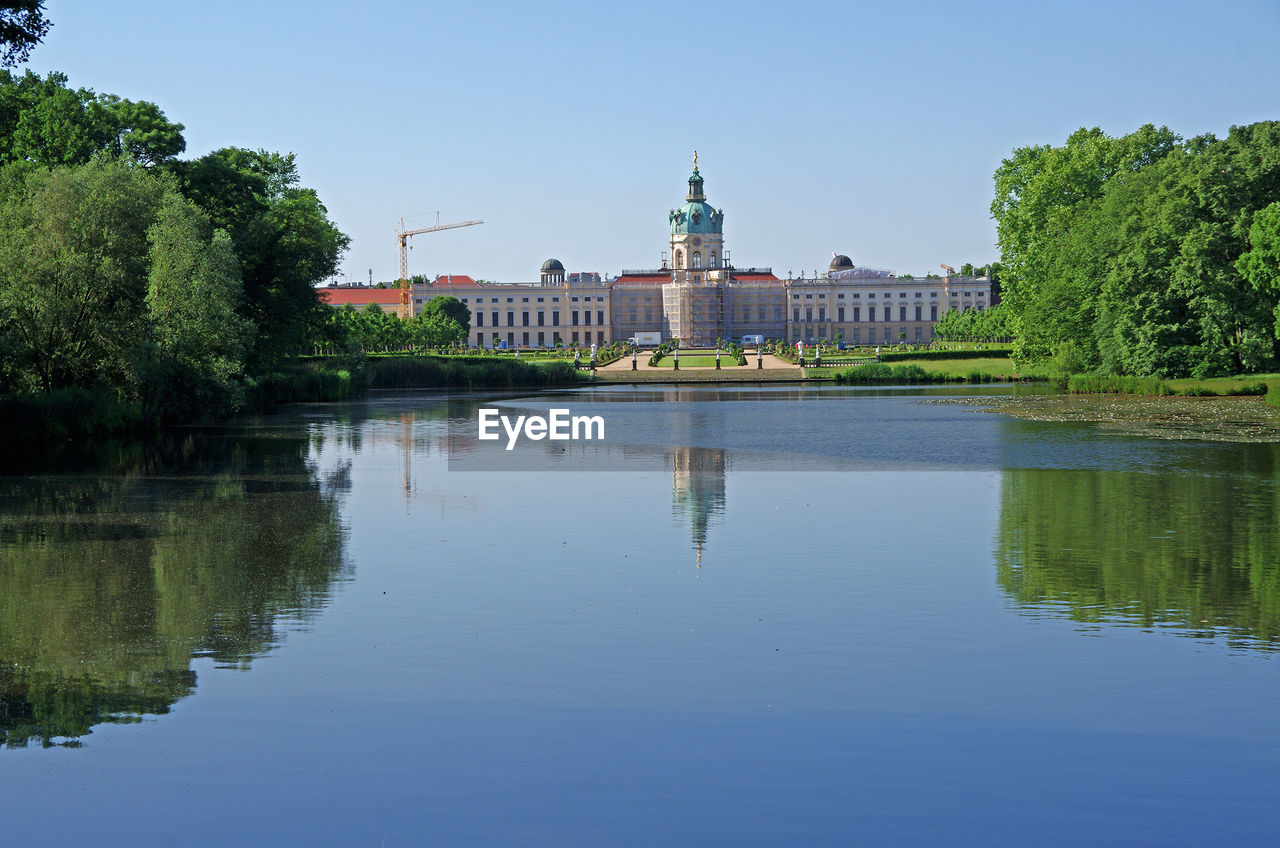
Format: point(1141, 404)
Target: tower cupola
point(695, 185)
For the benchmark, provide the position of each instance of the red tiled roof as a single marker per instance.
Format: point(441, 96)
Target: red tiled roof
point(650, 279)
point(757, 278)
point(360, 296)
point(445, 281)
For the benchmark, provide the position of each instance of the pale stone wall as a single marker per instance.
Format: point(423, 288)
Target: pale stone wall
point(532, 315)
point(855, 310)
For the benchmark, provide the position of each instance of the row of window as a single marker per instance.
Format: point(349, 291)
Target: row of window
point(480, 300)
point(901, 295)
point(888, 336)
point(542, 318)
point(583, 317)
point(821, 296)
point(856, 311)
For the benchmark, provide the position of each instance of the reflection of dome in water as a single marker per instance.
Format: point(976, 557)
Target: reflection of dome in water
point(697, 488)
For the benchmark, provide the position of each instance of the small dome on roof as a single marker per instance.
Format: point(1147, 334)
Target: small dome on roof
point(552, 265)
point(839, 262)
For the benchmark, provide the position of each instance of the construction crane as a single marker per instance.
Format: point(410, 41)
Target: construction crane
point(951, 272)
point(403, 236)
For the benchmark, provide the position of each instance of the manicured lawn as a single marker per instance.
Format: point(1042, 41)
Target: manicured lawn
point(698, 360)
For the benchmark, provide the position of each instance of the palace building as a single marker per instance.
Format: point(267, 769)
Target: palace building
point(699, 296)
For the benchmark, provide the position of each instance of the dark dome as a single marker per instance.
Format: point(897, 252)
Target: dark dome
point(552, 265)
point(840, 262)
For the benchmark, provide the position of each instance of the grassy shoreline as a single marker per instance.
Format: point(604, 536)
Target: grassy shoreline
point(82, 413)
point(74, 414)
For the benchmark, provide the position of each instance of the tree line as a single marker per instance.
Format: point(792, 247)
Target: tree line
point(443, 322)
point(957, 325)
point(163, 285)
point(1146, 254)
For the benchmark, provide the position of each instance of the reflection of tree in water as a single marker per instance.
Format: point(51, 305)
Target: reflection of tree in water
point(697, 488)
point(110, 585)
point(1200, 552)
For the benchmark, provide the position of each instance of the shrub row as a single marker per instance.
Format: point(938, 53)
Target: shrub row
point(880, 373)
point(1128, 385)
point(472, 372)
point(660, 351)
point(946, 354)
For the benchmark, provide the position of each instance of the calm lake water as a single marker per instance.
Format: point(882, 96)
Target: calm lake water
point(748, 616)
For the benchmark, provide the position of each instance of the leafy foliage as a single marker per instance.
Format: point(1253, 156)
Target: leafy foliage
point(193, 290)
point(974, 324)
point(22, 26)
point(1122, 254)
point(1260, 265)
point(44, 122)
point(282, 236)
point(73, 269)
point(111, 281)
point(371, 329)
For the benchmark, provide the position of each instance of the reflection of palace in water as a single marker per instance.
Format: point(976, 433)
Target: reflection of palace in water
point(697, 488)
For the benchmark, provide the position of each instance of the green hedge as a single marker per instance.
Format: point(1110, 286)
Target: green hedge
point(945, 354)
point(880, 373)
point(476, 372)
point(1118, 384)
point(660, 351)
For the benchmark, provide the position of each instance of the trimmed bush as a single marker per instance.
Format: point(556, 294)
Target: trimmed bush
point(1118, 384)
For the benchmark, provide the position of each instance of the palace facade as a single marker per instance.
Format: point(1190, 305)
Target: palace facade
point(699, 296)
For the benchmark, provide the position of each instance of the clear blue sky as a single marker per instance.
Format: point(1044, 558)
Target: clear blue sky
point(868, 128)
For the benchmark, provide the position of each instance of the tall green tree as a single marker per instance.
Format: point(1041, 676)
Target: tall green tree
point(282, 235)
point(443, 321)
point(1037, 190)
point(73, 271)
point(46, 122)
point(200, 342)
point(1122, 254)
point(450, 307)
point(1261, 264)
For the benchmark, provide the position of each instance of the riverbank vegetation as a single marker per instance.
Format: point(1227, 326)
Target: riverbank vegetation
point(137, 288)
point(912, 373)
point(468, 372)
point(1144, 255)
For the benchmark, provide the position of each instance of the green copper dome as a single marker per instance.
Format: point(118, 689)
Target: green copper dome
point(696, 216)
